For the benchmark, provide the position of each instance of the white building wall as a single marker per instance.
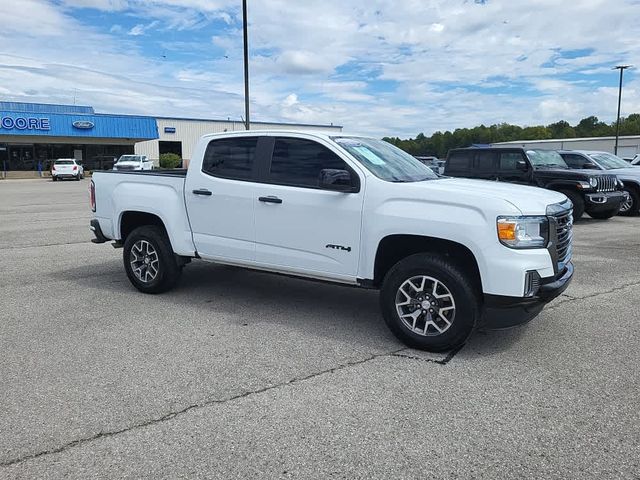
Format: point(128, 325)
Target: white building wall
point(628, 146)
point(189, 131)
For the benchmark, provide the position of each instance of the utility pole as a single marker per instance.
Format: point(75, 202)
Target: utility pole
point(622, 68)
point(246, 64)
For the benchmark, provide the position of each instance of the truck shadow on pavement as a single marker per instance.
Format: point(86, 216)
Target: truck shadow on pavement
point(246, 298)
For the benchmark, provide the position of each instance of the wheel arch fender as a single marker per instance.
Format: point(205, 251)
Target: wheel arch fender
point(395, 247)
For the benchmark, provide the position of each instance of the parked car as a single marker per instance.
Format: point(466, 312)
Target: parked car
point(67, 168)
point(133, 163)
point(447, 254)
point(598, 194)
point(594, 160)
point(433, 163)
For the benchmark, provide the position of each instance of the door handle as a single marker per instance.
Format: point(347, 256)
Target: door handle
point(202, 191)
point(270, 199)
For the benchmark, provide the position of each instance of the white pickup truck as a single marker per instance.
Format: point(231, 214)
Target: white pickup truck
point(447, 254)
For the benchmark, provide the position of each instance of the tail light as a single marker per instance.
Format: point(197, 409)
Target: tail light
point(92, 196)
point(75, 167)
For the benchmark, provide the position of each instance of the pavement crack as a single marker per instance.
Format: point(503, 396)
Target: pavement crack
point(570, 298)
point(203, 404)
point(444, 361)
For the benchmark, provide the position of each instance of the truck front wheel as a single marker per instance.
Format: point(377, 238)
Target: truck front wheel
point(149, 260)
point(429, 303)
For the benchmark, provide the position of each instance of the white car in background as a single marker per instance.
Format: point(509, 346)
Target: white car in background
point(128, 163)
point(67, 168)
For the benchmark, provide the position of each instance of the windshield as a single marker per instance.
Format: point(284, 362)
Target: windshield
point(386, 161)
point(546, 159)
point(129, 158)
point(609, 161)
point(64, 162)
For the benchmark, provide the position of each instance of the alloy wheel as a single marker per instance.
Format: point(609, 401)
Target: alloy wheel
point(144, 261)
point(425, 305)
point(627, 204)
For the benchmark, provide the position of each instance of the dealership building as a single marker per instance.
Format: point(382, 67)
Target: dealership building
point(32, 135)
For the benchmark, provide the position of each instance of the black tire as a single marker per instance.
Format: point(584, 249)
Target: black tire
point(578, 203)
point(54, 179)
point(465, 297)
point(167, 269)
point(604, 214)
point(635, 203)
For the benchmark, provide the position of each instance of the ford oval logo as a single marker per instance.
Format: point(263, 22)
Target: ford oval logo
point(83, 124)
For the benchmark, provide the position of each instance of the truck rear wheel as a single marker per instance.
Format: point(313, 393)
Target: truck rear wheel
point(149, 260)
point(429, 303)
point(578, 203)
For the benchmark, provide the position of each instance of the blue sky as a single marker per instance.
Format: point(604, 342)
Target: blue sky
point(379, 67)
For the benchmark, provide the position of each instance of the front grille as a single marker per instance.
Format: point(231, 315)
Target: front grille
point(606, 183)
point(564, 230)
point(124, 167)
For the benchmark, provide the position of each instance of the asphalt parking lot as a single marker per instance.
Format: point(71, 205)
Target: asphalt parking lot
point(239, 374)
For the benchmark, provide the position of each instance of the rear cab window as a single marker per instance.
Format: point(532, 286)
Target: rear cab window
point(232, 158)
point(459, 161)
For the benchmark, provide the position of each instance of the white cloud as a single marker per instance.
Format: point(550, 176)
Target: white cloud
point(381, 67)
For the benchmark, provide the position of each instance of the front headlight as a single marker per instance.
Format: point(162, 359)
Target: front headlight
point(523, 232)
point(593, 181)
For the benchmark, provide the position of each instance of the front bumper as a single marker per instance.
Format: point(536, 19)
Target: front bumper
point(595, 202)
point(504, 312)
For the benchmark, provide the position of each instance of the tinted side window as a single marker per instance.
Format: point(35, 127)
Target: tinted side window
point(484, 161)
point(297, 162)
point(230, 158)
point(509, 160)
point(574, 161)
point(459, 161)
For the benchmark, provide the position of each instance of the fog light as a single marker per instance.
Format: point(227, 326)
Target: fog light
point(531, 283)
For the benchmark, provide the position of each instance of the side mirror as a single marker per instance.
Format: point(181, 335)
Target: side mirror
point(590, 166)
point(337, 180)
point(522, 165)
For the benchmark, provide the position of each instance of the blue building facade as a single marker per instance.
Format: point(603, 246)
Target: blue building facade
point(33, 135)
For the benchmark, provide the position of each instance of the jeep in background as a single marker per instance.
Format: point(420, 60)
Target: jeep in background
point(600, 195)
point(628, 174)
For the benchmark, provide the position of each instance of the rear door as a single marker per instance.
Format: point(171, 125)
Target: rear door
point(220, 200)
point(300, 227)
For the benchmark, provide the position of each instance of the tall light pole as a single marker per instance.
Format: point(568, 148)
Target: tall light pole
point(246, 64)
point(622, 68)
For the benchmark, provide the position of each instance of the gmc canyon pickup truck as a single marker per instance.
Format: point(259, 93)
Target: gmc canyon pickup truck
point(446, 254)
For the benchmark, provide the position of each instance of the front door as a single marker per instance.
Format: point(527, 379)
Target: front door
point(300, 227)
point(512, 169)
point(220, 200)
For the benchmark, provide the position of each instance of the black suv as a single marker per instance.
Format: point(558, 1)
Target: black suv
point(598, 194)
